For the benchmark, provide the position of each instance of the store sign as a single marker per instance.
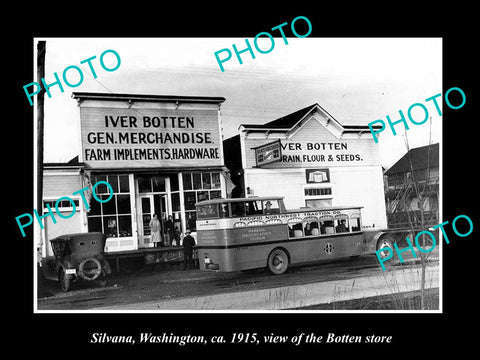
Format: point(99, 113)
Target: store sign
point(139, 138)
point(268, 153)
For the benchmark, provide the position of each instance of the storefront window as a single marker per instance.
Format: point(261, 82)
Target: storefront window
point(206, 181)
point(199, 187)
point(187, 182)
point(197, 181)
point(113, 217)
point(174, 182)
point(158, 184)
point(216, 181)
point(175, 201)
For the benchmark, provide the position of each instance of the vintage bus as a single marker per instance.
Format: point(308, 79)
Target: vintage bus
point(257, 232)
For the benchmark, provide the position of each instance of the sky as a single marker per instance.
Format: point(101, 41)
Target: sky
point(356, 80)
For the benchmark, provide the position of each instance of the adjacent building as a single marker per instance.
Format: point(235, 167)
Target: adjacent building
point(312, 160)
point(412, 184)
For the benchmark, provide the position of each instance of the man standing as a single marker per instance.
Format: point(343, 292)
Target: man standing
point(188, 243)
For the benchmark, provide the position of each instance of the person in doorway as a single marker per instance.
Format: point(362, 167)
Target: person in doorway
point(188, 243)
point(155, 230)
point(177, 236)
point(169, 231)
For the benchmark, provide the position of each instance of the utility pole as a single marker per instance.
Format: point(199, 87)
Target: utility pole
point(41, 49)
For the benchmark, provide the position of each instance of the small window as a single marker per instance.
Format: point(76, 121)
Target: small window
point(271, 207)
point(209, 211)
point(253, 208)
point(355, 222)
point(341, 224)
point(295, 228)
point(318, 191)
point(326, 225)
point(311, 227)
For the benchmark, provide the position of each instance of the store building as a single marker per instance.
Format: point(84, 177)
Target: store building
point(160, 154)
point(312, 160)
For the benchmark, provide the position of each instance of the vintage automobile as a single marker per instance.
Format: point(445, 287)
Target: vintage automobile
point(78, 257)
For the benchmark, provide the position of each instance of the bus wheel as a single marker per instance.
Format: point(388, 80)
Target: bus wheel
point(384, 243)
point(277, 262)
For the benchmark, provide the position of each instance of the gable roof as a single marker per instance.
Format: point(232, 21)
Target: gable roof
point(419, 158)
point(289, 121)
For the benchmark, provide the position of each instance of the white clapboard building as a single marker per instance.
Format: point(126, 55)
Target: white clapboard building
point(312, 160)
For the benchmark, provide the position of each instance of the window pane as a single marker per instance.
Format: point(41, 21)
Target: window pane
point(190, 200)
point(271, 207)
point(197, 181)
point(125, 226)
point(94, 207)
point(95, 224)
point(254, 207)
point(123, 204)
point(124, 184)
point(176, 202)
point(295, 229)
point(187, 182)
point(216, 181)
point(207, 184)
point(319, 203)
point(113, 181)
point(144, 184)
point(110, 226)
point(191, 218)
point(342, 226)
point(202, 195)
point(109, 206)
point(158, 184)
point(355, 223)
point(215, 195)
point(174, 182)
point(101, 188)
point(311, 228)
point(208, 211)
point(146, 206)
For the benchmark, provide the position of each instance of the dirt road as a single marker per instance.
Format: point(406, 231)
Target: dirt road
point(149, 285)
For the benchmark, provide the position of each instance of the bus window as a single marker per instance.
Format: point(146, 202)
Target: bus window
point(342, 226)
point(326, 225)
point(238, 208)
point(341, 223)
point(223, 210)
point(355, 222)
point(271, 207)
point(208, 211)
point(295, 228)
point(253, 207)
point(311, 226)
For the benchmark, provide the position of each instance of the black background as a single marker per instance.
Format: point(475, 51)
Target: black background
point(51, 335)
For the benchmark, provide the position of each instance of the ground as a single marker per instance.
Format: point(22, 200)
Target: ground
point(145, 283)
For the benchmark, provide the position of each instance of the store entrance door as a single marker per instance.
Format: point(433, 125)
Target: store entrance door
point(150, 204)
